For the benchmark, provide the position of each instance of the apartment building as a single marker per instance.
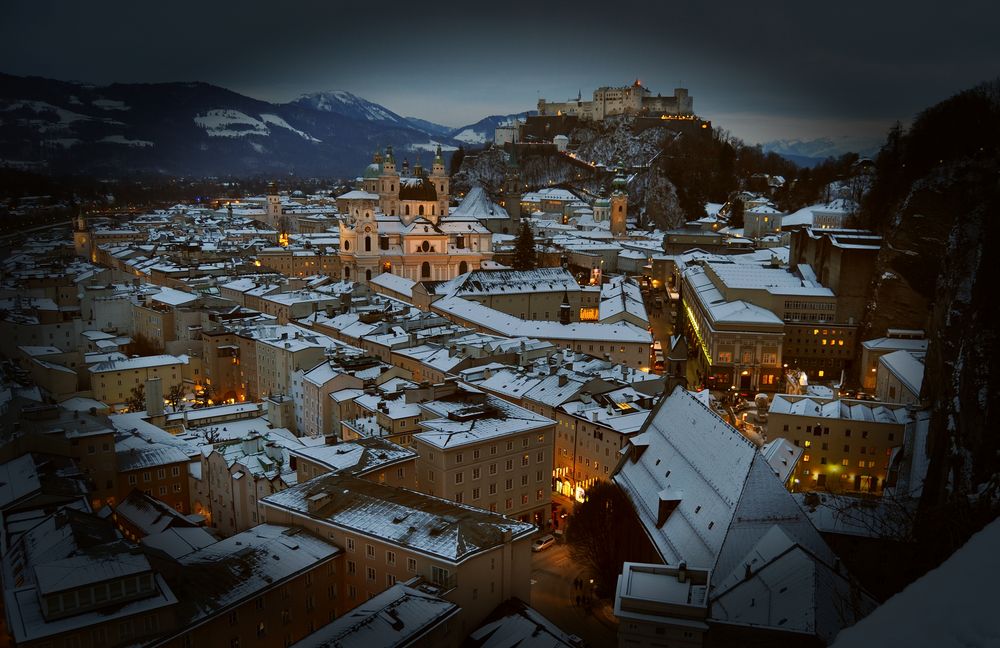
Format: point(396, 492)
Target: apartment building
point(487, 452)
point(476, 558)
point(846, 444)
point(112, 381)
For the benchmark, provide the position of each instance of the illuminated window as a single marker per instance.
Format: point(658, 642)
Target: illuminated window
point(820, 373)
point(805, 458)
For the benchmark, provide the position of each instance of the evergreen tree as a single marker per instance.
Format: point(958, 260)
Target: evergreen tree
point(736, 210)
point(524, 249)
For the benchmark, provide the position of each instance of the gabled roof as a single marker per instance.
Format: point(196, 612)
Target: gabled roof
point(706, 496)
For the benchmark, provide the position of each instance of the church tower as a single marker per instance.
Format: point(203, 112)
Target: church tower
point(512, 189)
point(82, 243)
point(439, 176)
point(388, 185)
point(273, 206)
point(619, 204)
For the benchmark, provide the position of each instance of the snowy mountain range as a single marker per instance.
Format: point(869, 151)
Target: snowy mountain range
point(812, 152)
point(201, 129)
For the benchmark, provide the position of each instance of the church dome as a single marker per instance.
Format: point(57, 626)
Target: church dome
point(373, 170)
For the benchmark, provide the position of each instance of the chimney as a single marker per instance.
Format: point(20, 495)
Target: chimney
point(563, 380)
point(682, 572)
point(154, 397)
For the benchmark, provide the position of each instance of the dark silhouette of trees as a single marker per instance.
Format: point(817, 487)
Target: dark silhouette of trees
point(603, 533)
point(136, 401)
point(456, 160)
point(525, 257)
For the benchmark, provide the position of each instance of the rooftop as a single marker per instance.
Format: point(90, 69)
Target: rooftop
point(430, 525)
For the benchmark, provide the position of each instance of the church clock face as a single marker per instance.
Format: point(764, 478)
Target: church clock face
point(368, 228)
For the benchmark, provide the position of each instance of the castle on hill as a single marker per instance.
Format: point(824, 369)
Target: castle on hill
point(633, 99)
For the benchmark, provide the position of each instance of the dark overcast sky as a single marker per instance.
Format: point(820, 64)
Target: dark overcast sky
point(763, 69)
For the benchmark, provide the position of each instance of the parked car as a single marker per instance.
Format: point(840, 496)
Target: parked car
point(543, 543)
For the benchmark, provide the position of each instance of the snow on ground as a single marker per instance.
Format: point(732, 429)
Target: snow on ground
point(470, 136)
point(432, 146)
point(65, 116)
point(110, 104)
point(121, 139)
point(64, 142)
point(217, 123)
point(952, 606)
point(278, 121)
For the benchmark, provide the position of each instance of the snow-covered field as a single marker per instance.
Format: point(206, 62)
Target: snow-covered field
point(121, 139)
point(470, 136)
point(221, 122)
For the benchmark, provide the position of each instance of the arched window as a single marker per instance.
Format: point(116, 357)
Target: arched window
point(347, 272)
point(421, 210)
point(407, 208)
point(368, 244)
point(425, 270)
point(392, 187)
point(368, 275)
point(463, 267)
point(620, 208)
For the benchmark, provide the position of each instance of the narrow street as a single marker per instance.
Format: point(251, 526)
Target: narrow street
point(552, 594)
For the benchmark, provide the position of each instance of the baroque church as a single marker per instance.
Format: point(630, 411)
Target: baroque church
point(399, 222)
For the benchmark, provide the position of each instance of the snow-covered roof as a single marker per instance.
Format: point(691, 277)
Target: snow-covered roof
point(502, 323)
point(907, 366)
point(705, 496)
point(855, 410)
point(462, 423)
point(399, 616)
point(435, 527)
point(951, 606)
point(356, 457)
point(144, 362)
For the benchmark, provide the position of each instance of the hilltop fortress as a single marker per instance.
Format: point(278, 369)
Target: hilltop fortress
point(625, 100)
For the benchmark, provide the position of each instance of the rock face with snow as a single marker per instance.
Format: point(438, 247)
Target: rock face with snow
point(934, 200)
point(651, 195)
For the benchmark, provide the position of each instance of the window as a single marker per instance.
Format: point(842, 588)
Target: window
point(475, 493)
point(411, 565)
point(175, 471)
point(493, 469)
point(459, 477)
point(132, 480)
point(475, 454)
point(459, 497)
point(525, 460)
point(493, 489)
point(458, 458)
point(370, 550)
point(509, 484)
point(509, 465)
point(352, 567)
point(440, 576)
point(493, 449)
point(390, 557)
point(425, 269)
point(370, 573)
point(540, 457)
point(475, 473)
point(350, 544)
point(509, 504)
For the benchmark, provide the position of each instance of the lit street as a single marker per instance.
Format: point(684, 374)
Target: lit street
point(552, 594)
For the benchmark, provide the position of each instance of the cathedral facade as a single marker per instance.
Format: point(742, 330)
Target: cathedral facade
point(398, 221)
